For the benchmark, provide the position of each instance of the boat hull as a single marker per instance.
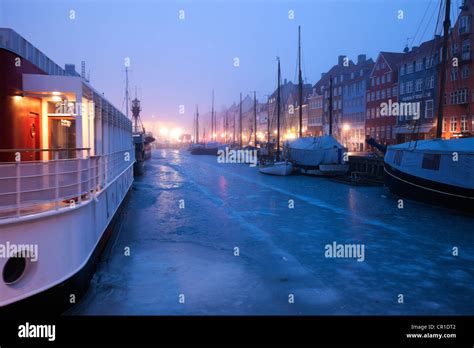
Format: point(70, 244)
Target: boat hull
point(428, 191)
point(69, 245)
point(278, 168)
point(204, 151)
point(326, 170)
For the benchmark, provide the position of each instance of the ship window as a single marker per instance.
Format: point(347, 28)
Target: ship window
point(431, 161)
point(398, 158)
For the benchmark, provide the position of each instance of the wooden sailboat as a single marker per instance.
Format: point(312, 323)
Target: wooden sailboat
point(319, 156)
point(275, 166)
point(426, 170)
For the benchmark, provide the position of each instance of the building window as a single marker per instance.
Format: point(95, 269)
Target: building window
point(466, 50)
point(410, 68)
point(383, 94)
point(463, 124)
point(377, 95)
point(372, 81)
point(402, 70)
point(419, 85)
point(453, 124)
point(429, 108)
point(389, 77)
point(431, 161)
point(377, 81)
point(419, 65)
point(394, 91)
point(464, 24)
point(409, 87)
point(389, 92)
point(430, 82)
point(383, 78)
point(402, 87)
point(445, 125)
point(454, 74)
point(465, 72)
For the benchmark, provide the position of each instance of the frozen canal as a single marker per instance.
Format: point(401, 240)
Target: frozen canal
point(191, 251)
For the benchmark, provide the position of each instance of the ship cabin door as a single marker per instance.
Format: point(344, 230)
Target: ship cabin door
point(62, 135)
point(31, 135)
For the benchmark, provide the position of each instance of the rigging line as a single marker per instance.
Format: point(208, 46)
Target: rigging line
point(421, 22)
point(437, 22)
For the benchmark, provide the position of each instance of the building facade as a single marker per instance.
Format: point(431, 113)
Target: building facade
point(459, 93)
point(418, 89)
point(353, 95)
point(381, 97)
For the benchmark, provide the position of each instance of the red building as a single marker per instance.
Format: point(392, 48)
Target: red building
point(383, 88)
point(459, 94)
point(19, 113)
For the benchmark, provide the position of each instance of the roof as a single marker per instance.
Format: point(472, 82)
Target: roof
point(439, 145)
point(392, 59)
point(427, 48)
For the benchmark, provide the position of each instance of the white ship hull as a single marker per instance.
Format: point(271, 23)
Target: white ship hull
point(66, 238)
point(277, 168)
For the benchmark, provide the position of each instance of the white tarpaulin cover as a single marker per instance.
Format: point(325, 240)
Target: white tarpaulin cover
point(446, 161)
point(313, 151)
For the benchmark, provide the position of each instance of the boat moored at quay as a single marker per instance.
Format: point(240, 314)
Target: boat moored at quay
point(66, 167)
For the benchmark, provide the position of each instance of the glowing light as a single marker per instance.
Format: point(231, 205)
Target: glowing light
point(17, 98)
point(56, 99)
point(289, 135)
point(346, 127)
point(164, 131)
point(176, 133)
point(56, 93)
point(222, 135)
point(275, 132)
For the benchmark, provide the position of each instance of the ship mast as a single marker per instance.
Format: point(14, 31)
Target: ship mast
point(300, 85)
point(126, 91)
point(213, 130)
point(278, 112)
point(197, 124)
point(240, 122)
point(255, 118)
point(447, 26)
point(330, 105)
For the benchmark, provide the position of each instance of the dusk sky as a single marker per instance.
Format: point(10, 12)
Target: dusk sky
point(176, 62)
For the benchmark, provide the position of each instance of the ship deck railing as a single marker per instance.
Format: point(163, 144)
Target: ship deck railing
point(33, 187)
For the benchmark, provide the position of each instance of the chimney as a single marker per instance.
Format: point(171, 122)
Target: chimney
point(340, 60)
point(70, 70)
point(323, 74)
point(285, 81)
point(406, 50)
point(361, 58)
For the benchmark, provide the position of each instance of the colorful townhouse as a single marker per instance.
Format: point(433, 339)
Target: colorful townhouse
point(381, 95)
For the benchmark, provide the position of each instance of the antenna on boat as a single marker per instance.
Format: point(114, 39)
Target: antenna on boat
point(300, 86)
point(444, 48)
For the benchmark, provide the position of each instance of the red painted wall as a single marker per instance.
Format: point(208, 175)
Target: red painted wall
point(17, 114)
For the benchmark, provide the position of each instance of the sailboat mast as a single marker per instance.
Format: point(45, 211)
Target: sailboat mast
point(300, 85)
point(213, 130)
point(447, 26)
point(330, 105)
point(240, 121)
point(197, 124)
point(226, 127)
point(255, 118)
point(126, 91)
point(268, 123)
point(278, 112)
